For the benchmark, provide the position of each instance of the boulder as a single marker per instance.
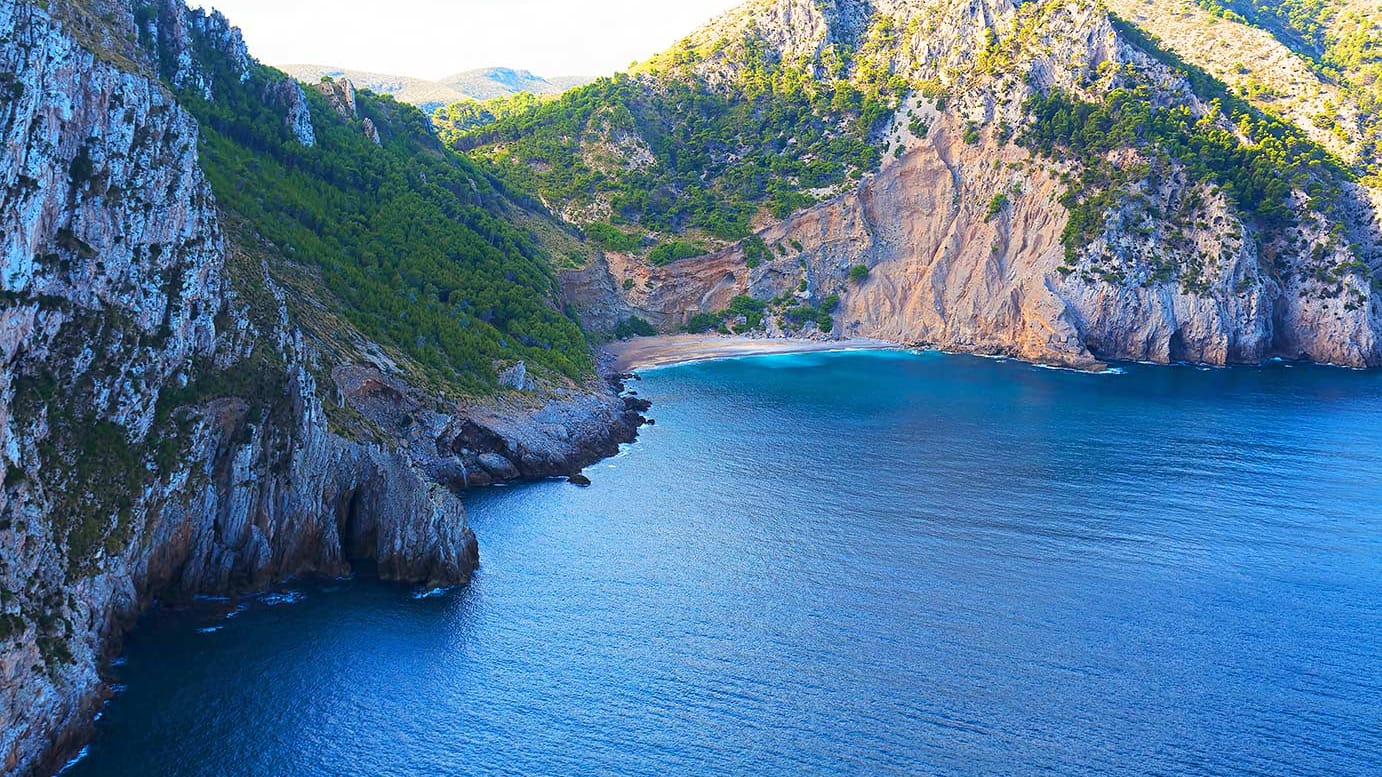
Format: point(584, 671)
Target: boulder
point(497, 466)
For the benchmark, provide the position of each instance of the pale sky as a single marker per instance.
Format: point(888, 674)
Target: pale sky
point(434, 38)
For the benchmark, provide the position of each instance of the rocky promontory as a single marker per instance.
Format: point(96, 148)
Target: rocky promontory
point(175, 420)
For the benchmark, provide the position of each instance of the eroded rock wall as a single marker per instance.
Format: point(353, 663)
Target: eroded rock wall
point(962, 229)
point(120, 484)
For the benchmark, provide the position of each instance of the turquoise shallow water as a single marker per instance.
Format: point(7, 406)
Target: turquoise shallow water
point(848, 564)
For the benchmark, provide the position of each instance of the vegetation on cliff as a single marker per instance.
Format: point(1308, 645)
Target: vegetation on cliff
point(667, 151)
point(414, 244)
point(1342, 40)
point(1223, 145)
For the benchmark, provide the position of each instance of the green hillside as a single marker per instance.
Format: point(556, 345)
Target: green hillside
point(414, 245)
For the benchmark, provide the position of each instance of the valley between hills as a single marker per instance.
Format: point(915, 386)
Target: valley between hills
point(256, 327)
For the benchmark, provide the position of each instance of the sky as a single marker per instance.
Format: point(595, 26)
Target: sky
point(434, 38)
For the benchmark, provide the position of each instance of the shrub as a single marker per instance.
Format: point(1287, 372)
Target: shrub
point(673, 251)
point(755, 251)
point(633, 326)
point(996, 206)
point(702, 322)
point(612, 239)
point(859, 273)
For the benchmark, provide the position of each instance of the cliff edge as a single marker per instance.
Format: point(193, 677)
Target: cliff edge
point(179, 414)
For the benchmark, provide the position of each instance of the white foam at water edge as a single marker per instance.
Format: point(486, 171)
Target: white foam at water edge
point(997, 357)
point(430, 593)
point(76, 759)
point(1055, 368)
point(118, 661)
point(285, 597)
point(209, 629)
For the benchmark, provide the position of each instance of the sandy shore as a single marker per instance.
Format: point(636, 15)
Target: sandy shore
point(642, 352)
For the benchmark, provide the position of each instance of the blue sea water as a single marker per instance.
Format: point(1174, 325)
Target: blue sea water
point(861, 564)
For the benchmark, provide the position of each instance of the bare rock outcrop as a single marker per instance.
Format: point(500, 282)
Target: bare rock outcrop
point(287, 96)
point(340, 93)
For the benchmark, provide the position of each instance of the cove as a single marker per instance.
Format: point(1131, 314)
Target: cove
point(854, 563)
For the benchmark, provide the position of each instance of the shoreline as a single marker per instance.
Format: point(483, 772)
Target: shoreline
point(668, 350)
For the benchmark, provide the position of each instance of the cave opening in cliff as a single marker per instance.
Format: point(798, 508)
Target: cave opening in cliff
point(359, 537)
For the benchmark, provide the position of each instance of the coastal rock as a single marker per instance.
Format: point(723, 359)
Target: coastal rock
point(167, 430)
point(497, 466)
point(578, 479)
point(567, 431)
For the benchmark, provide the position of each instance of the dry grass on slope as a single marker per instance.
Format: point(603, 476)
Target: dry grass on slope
point(1255, 64)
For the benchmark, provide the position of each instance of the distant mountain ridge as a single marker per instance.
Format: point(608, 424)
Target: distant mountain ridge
point(481, 84)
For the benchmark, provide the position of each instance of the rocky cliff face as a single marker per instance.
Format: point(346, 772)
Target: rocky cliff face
point(962, 229)
point(162, 422)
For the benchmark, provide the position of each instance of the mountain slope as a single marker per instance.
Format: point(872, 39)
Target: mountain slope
point(488, 83)
point(1089, 195)
point(1278, 80)
point(481, 84)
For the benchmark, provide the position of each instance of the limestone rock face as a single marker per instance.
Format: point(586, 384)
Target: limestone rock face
point(161, 435)
point(961, 229)
point(372, 132)
point(174, 31)
point(288, 97)
point(516, 378)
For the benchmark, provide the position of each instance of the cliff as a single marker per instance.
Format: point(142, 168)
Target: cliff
point(178, 413)
point(965, 228)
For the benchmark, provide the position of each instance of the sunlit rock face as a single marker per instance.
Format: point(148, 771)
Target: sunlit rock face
point(961, 228)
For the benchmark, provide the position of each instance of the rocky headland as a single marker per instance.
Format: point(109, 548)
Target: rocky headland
point(176, 417)
point(253, 329)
